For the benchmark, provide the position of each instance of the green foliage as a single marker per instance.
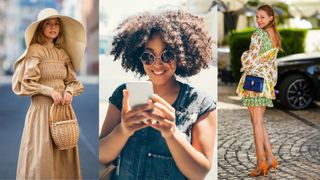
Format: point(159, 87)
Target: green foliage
point(292, 42)
point(253, 3)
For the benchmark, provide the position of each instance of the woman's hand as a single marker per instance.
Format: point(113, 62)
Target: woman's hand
point(164, 114)
point(67, 98)
point(132, 118)
point(57, 98)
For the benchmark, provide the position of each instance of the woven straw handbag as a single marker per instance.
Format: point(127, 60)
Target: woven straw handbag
point(63, 126)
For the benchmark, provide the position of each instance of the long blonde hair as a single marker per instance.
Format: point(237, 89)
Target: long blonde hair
point(268, 9)
point(38, 36)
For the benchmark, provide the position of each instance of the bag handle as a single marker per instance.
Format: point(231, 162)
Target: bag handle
point(66, 108)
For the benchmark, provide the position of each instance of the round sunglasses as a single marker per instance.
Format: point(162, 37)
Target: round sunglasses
point(148, 58)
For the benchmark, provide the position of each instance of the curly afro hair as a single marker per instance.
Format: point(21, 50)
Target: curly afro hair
point(182, 32)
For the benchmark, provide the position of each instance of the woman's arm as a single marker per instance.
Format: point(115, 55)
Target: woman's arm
point(193, 160)
point(73, 85)
point(111, 136)
point(118, 127)
point(250, 58)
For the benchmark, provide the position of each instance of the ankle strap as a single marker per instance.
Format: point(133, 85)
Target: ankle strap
point(261, 157)
point(269, 154)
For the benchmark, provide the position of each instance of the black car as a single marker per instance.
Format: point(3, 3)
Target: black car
point(298, 80)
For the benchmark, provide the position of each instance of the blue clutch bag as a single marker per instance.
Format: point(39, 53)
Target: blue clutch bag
point(253, 83)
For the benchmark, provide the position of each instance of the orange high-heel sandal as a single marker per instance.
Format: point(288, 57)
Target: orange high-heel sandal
point(262, 170)
point(274, 165)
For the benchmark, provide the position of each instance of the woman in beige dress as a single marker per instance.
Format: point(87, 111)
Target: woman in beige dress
point(47, 72)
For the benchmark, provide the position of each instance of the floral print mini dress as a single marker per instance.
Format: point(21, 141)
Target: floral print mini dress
point(259, 60)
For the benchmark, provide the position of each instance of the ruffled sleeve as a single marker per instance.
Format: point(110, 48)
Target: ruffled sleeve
point(73, 85)
point(275, 72)
point(268, 62)
point(250, 57)
point(29, 84)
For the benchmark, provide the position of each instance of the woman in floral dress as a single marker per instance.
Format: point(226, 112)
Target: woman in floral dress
point(259, 61)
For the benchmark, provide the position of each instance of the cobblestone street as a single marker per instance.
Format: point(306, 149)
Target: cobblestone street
point(295, 136)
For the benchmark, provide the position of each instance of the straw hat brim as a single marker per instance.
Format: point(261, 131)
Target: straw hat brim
point(74, 42)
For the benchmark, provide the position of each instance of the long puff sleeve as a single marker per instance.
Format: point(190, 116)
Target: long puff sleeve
point(29, 84)
point(269, 63)
point(73, 85)
point(249, 57)
point(275, 72)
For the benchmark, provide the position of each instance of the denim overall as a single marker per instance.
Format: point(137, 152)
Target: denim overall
point(146, 154)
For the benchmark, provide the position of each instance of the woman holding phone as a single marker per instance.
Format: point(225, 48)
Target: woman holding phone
point(180, 144)
point(260, 61)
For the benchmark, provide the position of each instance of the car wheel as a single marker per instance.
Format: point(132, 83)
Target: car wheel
point(296, 92)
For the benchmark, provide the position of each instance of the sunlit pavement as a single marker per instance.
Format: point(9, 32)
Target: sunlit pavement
point(295, 136)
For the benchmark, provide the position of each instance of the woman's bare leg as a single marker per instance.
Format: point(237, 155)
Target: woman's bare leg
point(256, 115)
point(266, 143)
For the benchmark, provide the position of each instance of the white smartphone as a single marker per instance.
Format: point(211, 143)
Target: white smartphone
point(139, 92)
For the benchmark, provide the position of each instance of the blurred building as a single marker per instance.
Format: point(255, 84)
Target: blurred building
point(91, 16)
point(239, 15)
point(204, 9)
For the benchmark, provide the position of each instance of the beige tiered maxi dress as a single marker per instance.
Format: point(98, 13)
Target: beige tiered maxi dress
point(47, 68)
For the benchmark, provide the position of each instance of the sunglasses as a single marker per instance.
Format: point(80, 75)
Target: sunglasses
point(148, 58)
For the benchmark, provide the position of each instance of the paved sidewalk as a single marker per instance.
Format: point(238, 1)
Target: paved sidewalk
point(295, 136)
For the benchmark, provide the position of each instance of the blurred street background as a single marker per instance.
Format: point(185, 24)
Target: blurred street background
point(112, 74)
point(15, 16)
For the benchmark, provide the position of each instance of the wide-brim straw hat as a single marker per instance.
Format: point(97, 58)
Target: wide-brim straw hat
point(74, 42)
